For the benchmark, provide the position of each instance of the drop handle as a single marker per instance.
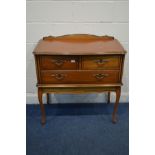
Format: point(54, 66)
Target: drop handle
point(59, 76)
point(58, 62)
point(101, 61)
point(100, 76)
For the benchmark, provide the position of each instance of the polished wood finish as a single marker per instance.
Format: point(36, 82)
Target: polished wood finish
point(43, 117)
point(101, 62)
point(59, 62)
point(79, 38)
point(79, 76)
point(79, 44)
point(114, 114)
point(77, 85)
point(79, 63)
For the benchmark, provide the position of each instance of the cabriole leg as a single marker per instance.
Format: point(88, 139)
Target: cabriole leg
point(114, 115)
point(43, 117)
point(48, 98)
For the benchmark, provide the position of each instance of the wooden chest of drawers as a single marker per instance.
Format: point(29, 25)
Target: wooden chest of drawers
point(79, 63)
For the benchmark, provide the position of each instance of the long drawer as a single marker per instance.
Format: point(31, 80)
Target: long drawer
point(79, 76)
point(100, 62)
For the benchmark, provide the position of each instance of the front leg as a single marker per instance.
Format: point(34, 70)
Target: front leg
point(43, 117)
point(114, 115)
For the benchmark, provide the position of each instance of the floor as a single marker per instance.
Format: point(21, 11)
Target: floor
point(78, 129)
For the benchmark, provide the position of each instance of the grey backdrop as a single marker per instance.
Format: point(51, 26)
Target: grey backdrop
point(66, 17)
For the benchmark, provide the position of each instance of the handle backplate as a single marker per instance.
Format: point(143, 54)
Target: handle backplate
point(58, 62)
point(59, 76)
point(101, 61)
point(100, 76)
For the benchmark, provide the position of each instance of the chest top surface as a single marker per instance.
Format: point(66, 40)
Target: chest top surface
point(78, 44)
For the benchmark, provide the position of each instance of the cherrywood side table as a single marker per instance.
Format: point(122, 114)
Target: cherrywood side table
point(79, 63)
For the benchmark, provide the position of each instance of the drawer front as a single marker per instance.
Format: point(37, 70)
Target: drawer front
point(100, 62)
point(59, 62)
point(77, 77)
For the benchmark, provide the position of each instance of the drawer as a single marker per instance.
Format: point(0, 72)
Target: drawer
point(59, 62)
point(77, 77)
point(100, 62)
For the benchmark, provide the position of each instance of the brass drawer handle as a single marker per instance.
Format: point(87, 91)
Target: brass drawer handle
point(59, 76)
point(58, 62)
point(101, 61)
point(100, 76)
